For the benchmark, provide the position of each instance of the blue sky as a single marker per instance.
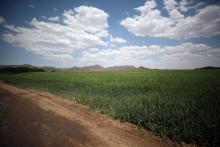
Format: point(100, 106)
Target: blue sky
point(155, 34)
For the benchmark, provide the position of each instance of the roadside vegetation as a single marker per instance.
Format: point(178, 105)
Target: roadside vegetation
point(183, 105)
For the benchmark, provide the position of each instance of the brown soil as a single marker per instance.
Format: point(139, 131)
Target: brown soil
point(33, 118)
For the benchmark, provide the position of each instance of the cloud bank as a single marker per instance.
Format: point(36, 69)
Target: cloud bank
point(185, 55)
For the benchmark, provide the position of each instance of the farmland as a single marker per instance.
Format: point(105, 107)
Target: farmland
point(178, 104)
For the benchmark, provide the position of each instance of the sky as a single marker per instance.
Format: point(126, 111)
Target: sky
point(166, 34)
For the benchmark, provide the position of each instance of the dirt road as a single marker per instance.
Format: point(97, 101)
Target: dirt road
point(32, 118)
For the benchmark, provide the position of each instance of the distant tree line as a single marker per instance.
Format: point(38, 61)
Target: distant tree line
point(11, 70)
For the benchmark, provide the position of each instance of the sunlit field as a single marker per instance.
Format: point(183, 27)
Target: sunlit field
point(179, 104)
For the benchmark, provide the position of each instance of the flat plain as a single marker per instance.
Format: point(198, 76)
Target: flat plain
point(182, 105)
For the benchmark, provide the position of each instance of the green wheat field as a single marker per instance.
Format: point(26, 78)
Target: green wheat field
point(183, 105)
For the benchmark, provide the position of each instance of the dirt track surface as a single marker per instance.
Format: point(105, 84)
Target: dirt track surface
point(30, 118)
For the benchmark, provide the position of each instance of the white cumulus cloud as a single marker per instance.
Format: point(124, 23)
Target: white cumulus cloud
point(55, 18)
point(117, 40)
point(88, 19)
point(150, 22)
point(83, 27)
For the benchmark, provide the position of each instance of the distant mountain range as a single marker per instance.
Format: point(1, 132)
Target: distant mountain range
point(88, 68)
point(92, 67)
point(100, 68)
